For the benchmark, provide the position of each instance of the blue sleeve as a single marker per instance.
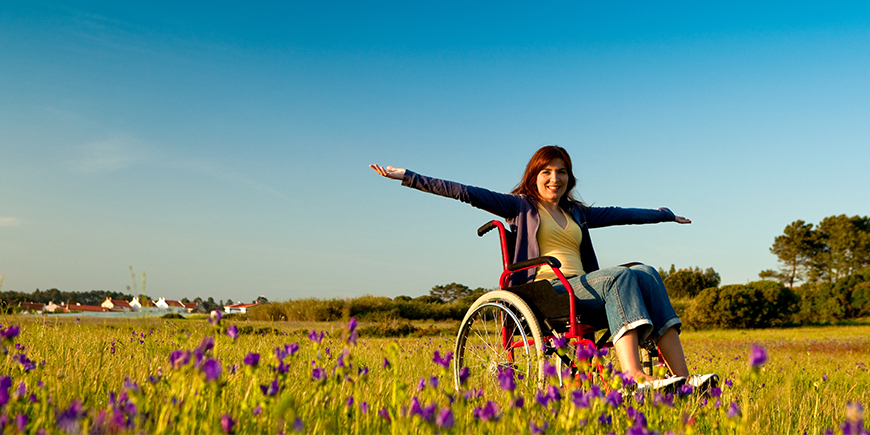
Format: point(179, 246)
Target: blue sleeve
point(598, 217)
point(500, 204)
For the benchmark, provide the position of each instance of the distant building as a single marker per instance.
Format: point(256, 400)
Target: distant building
point(117, 305)
point(238, 308)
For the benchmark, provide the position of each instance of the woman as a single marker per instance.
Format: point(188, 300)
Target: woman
point(548, 220)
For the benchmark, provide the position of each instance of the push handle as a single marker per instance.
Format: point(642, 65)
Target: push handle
point(487, 227)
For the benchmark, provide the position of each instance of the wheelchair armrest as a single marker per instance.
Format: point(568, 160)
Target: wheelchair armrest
point(551, 261)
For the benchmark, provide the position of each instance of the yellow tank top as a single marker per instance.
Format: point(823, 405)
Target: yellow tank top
point(562, 243)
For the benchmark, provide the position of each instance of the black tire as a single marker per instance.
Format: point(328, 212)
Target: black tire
point(479, 342)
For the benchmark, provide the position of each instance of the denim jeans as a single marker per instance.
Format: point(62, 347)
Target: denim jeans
point(623, 299)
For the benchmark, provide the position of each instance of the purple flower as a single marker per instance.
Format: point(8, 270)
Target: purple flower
point(9, 333)
point(351, 327)
point(733, 410)
point(68, 419)
point(386, 363)
point(179, 358)
point(425, 413)
point(553, 394)
point(715, 391)
point(257, 410)
point(506, 378)
point(318, 374)
point(5, 384)
point(442, 361)
point(364, 407)
point(212, 370)
point(227, 423)
point(215, 317)
point(605, 419)
point(433, 382)
point(385, 414)
point(297, 425)
point(21, 422)
point(25, 362)
point(489, 411)
point(206, 345)
point(685, 390)
point(233, 332)
point(445, 419)
point(518, 402)
point(538, 430)
point(550, 370)
point(271, 389)
point(315, 337)
point(758, 356)
point(464, 373)
point(22, 389)
point(580, 399)
point(614, 399)
point(252, 359)
point(560, 342)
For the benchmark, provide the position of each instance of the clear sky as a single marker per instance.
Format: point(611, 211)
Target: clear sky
point(222, 147)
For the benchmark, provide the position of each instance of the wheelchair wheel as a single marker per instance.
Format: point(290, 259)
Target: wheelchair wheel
point(498, 331)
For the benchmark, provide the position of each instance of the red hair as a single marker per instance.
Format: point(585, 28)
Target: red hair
point(528, 184)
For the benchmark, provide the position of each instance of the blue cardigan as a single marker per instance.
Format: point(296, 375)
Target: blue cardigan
point(521, 213)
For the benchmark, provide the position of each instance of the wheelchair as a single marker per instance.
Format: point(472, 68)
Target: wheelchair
point(521, 326)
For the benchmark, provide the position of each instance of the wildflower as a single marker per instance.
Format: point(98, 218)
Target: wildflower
point(854, 424)
point(605, 419)
point(729, 382)
point(685, 390)
point(386, 363)
point(445, 419)
point(489, 411)
point(538, 430)
point(362, 371)
point(580, 399)
point(425, 413)
point(442, 361)
point(291, 348)
point(383, 413)
point(421, 385)
point(757, 357)
point(666, 399)
point(553, 393)
point(227, 423)
point(206, 345)
point(5, 384)
point(297, 425)
point(364, 407)
point(518, 402)
point(215, 317)
point(252, 359)
point(433, 381)
point(212, 370)
point(21, 422)
point(26, 363)
point(318, 374)
point(22, 389)
point(257, 410)
point(9, 333)
point(179, 358)
point(68, 420)
point(271, 389)
point(550, 370)
point(351, 327)
point(233, 332)
point(464, 373)
point(560, 342)
point(614, 399)
point(315, 337)
point(506, 378)
point(733, 410)
point(715, 391)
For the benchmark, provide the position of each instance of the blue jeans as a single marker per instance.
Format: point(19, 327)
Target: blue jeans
point(623, 299)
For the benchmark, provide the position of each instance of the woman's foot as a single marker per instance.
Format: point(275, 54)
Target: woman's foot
point(667, 385)
point(703, 383)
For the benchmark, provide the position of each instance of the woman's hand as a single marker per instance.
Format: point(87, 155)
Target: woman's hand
point(677, 219)
point(389, 171)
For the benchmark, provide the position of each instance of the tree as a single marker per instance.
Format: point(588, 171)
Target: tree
point(798, 249)
point(847, 241)
point(450, 292)
point(687, 283)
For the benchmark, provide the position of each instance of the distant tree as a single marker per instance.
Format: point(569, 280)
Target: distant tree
point(798, 248)
point(847, 241)
point(403, 298)
point(450, 292)
point(185, 300)
point(261, 300)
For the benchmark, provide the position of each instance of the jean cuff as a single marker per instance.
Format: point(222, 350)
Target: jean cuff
point(633, 325)
point(672, 322)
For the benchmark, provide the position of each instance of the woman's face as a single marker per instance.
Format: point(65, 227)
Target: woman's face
point(552, 181)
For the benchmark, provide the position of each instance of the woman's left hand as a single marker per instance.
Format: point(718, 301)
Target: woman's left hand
point(677, 219)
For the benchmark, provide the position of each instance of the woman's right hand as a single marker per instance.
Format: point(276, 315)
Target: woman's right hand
point(389, 171)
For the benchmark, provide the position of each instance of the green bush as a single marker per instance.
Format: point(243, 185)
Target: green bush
point(759, 304)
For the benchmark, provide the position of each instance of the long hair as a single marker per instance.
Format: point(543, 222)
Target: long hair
point(528, 184)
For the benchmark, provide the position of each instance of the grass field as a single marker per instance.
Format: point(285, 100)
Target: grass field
point(189, 376)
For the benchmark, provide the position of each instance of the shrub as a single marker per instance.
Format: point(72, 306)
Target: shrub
point(759, 304)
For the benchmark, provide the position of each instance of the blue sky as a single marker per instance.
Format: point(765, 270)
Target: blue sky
point(222, 148)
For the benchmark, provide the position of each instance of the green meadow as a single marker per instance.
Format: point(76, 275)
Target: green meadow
point(89, 375)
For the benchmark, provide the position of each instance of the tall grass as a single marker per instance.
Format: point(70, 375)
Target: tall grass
point(117, 376)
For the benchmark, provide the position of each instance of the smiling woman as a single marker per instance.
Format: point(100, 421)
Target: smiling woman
point(630, 301)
